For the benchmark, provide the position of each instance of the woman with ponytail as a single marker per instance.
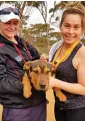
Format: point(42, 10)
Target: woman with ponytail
point(69, 60)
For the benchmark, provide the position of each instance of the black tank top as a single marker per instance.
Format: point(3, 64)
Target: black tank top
point(66, 72)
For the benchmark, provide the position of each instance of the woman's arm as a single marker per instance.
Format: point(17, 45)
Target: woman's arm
point(8, 84)
point(75, 88)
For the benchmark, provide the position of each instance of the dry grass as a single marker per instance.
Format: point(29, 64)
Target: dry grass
point(50, 106)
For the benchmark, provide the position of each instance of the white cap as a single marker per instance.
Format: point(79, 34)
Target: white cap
point(6, 17)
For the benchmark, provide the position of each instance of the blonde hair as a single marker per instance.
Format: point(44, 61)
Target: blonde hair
point(75, 8)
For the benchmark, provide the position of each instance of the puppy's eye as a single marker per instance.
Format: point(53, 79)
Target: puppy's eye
point(46, 70)
point(37, 70)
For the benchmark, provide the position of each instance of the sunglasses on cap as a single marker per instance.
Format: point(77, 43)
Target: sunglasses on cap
point(9, 10)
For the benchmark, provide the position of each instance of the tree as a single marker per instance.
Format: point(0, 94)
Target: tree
point(42, 7)
point(60, 7)
point(24, 6)
point(37, 36)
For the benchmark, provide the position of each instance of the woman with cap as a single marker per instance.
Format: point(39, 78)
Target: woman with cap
point(69, 60)
point(13, 54)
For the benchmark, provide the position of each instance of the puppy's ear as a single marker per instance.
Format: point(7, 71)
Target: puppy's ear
point(26, 86)
point(53, 70)
point(27, 65)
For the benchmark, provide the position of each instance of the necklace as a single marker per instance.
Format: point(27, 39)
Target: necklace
point(55, 61)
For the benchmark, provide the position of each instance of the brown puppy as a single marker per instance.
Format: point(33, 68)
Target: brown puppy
point(37, 72)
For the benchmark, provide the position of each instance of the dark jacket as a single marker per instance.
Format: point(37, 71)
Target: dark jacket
point(11, 73)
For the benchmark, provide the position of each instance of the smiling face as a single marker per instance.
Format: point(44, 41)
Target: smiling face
point(9, 29)
point(71, 28)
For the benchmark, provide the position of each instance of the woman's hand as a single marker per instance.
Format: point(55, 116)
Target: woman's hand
point(52, 82)
point(44, 58)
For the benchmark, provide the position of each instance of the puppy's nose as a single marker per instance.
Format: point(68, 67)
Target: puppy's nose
point(42, 86)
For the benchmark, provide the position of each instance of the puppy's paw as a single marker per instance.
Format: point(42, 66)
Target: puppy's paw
point(60, 95)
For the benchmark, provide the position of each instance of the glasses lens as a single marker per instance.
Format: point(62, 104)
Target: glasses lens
point(8, 11)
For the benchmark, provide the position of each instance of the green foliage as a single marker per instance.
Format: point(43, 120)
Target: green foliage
point(61, 6)
point(41, 36)
point(51, 10)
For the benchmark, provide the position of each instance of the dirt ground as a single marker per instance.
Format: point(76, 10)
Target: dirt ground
point(50, 106)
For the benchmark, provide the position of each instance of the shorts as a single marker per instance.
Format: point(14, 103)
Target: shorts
point(35, 113)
